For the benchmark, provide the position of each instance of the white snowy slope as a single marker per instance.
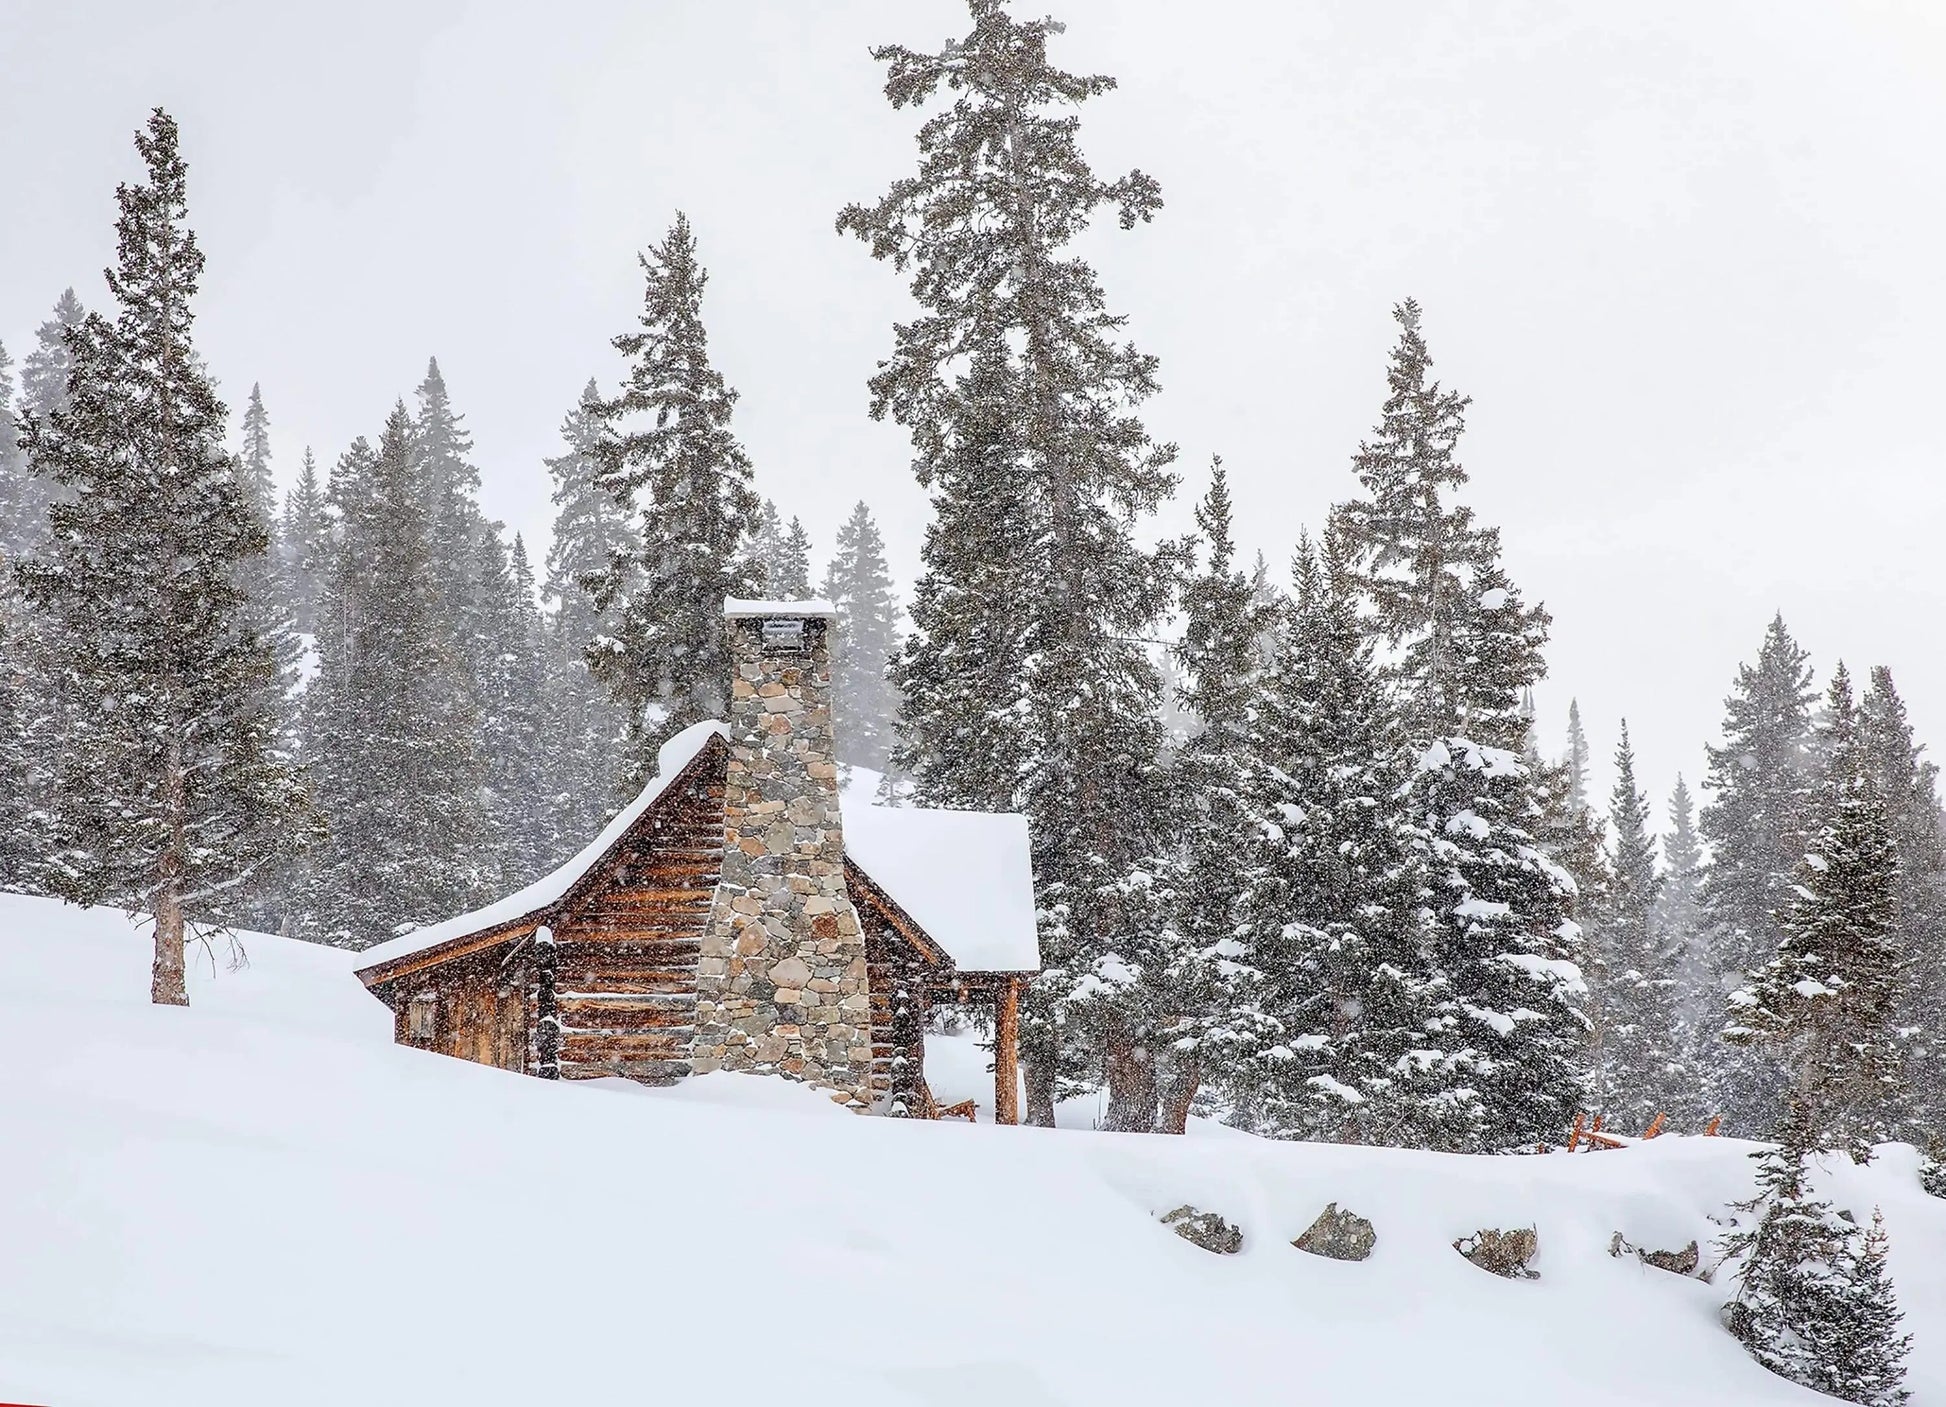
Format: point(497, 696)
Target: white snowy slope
point(261, 1200)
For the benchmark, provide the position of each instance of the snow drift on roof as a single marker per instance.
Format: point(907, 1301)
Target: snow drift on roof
point(735, 608)
point(966, 877)
point(674, 755)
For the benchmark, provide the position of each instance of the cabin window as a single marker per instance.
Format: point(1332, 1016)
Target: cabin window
point(420, 1014)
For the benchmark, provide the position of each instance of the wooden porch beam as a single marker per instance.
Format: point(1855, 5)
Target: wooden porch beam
point(1006, 1053)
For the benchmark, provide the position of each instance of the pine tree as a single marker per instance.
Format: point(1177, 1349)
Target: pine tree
point(667, 447)
point(859, 584)
point(1815, 1303)
point(792, 578)
point(592, 536)
point(43, 390)
point(515, 730)
point(1429, 571)
point(305, 538)
point(1019, 391)
point(1577, 758)
point(254, 458)
point(1826, 1001)
point(1465, 651)
point(1757, 826)
point(175, 793)
point(1199, 976)
point(449, 485)
point(269, 613)
point(391, 726)
point(24, 756)
point(766, 547)
point(591, 527)
point(1679, 918)
point(13, 464)
point(1909, 785)
point(1645, 1065)
point(1334, 915)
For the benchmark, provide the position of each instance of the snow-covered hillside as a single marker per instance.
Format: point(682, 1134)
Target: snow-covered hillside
point(261, 1200)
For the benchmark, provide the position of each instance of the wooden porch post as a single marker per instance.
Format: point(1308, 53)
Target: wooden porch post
point(1006, 1053)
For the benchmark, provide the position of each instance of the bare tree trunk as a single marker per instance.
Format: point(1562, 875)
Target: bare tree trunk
point(1038, 1075)
point(1178, 1092)
point(1131, 1084)
point(167, 984)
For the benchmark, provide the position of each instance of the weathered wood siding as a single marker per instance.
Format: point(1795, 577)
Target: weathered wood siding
point(480, 1009)
point(625, 983)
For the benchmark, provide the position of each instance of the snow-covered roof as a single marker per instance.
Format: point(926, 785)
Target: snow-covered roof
point(734, 608)
point(966, 877)
point(674, 755)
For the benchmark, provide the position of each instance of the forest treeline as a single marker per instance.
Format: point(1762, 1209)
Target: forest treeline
point(1300, 866)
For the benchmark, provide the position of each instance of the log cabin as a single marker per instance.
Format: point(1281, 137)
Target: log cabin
point(740, 915)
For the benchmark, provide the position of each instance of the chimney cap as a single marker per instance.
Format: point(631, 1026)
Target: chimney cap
point(735, 608)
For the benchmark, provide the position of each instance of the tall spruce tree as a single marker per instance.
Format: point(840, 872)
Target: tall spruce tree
point(592, 536)
point(1577, 759)
point(174, 792)
point(1827, 1000)
point(1757, 825)
point(449, 484)
point(13, 464)
point(790, 574)
point(254, 457)
point(1645, 1071)
point(1020, 392)
point(1465, 651)
point(666, 446)
point(591, 526)
point(1679, 918)
point(43, 390)
point(1334, 914)
point(268, 607)
point(518, 739)
point(1421, 555)
point(304, 539)
point(1909, 783)
point(859, 584)
point(391, 724)
point(766, 546)
point(1199, 975)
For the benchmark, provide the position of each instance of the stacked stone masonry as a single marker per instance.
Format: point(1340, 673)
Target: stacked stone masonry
point(782, 981)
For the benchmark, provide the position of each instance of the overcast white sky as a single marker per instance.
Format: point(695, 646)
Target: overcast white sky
point(1685, 257)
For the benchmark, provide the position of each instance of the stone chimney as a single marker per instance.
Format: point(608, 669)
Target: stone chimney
point(782, 984)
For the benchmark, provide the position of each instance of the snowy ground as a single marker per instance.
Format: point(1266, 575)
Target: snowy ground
point(261, 1200)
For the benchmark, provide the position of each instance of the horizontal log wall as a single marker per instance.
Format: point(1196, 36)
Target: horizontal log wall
point(625, 980)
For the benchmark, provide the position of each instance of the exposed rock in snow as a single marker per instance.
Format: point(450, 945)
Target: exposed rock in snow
point(1205, 1229)
point(1502, 1253)
point(1683, 1262)
point(1338, 1235)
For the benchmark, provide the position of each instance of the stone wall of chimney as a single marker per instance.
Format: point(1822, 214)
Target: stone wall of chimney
point(782, 984)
